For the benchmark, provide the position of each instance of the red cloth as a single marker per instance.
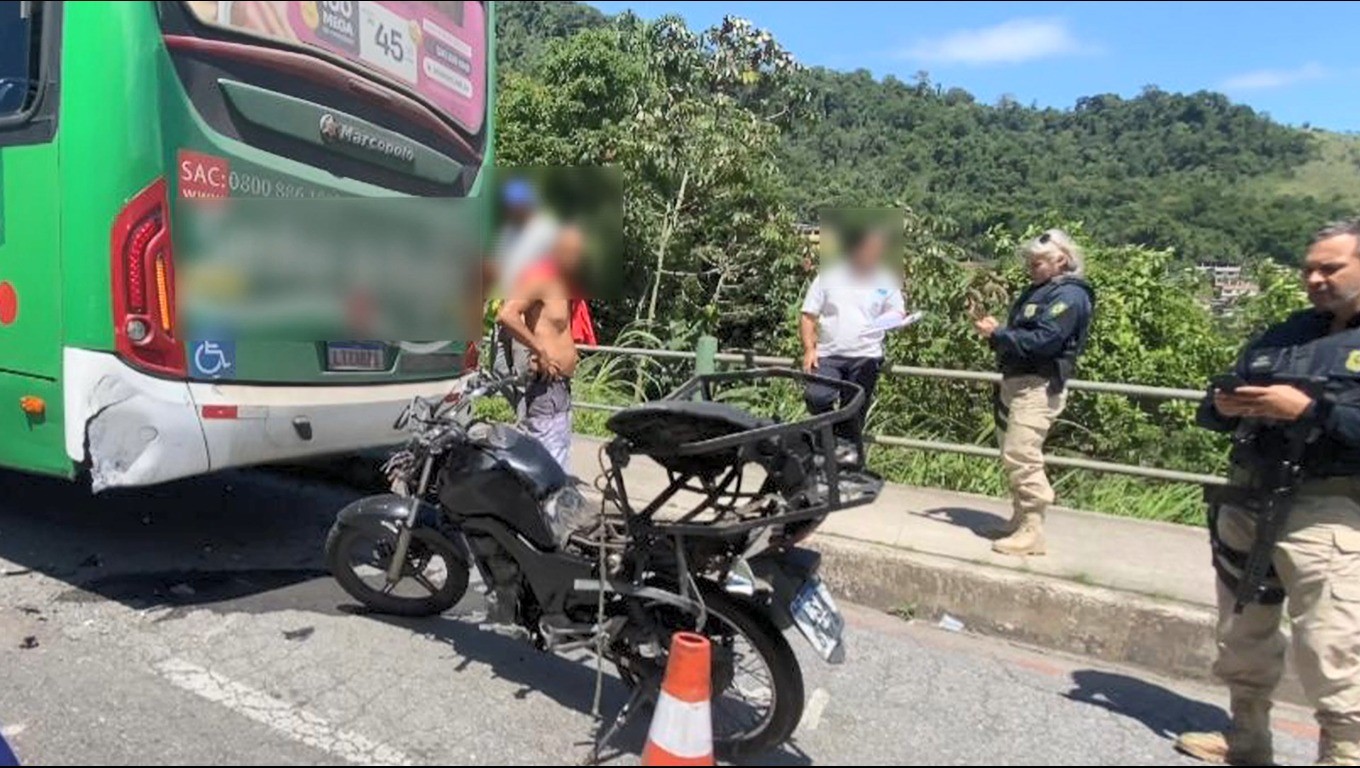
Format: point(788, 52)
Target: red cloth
point(582, 327)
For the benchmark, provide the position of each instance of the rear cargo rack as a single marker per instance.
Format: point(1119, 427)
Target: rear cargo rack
point(706, 447)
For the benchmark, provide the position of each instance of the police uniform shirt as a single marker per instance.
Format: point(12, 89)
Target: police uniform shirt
point(1303, 347)
point(1046, 330)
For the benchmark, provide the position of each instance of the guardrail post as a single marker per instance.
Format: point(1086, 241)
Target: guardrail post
point(705, 354)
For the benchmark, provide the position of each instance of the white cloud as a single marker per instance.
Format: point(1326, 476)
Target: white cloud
point(1263, 79)
point(1011, 42)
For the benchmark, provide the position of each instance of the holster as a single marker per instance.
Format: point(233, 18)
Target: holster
point(1228, 562)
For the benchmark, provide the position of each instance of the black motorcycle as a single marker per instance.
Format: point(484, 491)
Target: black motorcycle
point(715, 552)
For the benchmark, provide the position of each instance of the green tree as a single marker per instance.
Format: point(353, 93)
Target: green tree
point(692, 121)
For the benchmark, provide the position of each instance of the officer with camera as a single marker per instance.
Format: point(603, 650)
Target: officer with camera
point(1293, 406)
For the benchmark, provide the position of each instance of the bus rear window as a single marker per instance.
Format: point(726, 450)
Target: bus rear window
point(437, 49)
point(18, 54)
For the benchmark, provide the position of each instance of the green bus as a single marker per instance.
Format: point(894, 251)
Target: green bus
point(113, 118)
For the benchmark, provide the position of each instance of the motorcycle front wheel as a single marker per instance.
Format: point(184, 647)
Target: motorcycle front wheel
point(433, 579)
point(757, 684)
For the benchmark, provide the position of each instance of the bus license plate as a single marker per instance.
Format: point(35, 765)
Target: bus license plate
point(819, 620)
point(356, 357)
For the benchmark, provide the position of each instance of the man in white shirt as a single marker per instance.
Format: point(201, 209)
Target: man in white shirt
point(839, 340)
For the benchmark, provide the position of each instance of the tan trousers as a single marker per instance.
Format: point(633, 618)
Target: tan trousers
point(1318, 561)
point(1026, 412)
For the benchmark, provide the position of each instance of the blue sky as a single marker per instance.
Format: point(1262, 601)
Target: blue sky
point(1292, 60)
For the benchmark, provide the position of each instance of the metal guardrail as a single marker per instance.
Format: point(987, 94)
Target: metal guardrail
point(1137, 391)
point(1104, 387)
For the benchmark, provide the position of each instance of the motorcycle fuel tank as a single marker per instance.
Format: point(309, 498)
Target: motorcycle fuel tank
point(504, 474)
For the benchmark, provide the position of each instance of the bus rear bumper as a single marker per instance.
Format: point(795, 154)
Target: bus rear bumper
point(135, 430)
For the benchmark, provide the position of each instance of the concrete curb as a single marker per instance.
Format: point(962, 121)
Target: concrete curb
point(1166, 637)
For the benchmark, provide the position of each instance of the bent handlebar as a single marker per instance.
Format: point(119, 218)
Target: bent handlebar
point(435, 408)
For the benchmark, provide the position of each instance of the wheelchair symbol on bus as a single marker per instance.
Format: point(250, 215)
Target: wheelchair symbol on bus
point(215, 359)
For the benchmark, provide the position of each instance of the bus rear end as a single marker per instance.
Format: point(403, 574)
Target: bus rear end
point(266, 107)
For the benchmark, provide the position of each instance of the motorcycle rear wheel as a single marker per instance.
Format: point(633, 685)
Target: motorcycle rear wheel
point(730, 619)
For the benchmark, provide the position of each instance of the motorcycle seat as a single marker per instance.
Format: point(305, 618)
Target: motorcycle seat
point(658, 428)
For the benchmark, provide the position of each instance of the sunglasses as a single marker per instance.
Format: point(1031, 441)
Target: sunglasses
point(1047, 238)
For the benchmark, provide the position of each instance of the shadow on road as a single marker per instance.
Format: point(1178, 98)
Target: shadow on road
point(223, 537)
point(974, 520)
point(1165, 712)
point(568, 682)
point(251, 542)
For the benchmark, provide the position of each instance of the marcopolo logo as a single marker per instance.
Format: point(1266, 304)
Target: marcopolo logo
point(335, 131)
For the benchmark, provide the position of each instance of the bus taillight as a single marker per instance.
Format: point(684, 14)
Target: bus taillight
point(138, 243)
point(144, 284)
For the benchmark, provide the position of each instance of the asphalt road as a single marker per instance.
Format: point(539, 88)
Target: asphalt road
point(193, 624)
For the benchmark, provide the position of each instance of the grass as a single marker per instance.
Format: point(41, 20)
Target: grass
point(1332, 173)
point(1078, 489)
point(612, 380)
point(904, 612)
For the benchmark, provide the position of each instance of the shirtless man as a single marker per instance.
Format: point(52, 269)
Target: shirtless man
point(539, 314)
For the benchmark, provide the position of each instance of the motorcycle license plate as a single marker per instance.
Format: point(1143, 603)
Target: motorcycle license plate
point(819, 620)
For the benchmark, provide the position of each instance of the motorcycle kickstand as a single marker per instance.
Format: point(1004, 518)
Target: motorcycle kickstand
point(621, 720)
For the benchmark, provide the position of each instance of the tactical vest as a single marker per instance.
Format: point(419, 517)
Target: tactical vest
point(1334, 356)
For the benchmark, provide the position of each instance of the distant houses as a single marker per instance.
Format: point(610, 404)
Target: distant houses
point(1229, 283)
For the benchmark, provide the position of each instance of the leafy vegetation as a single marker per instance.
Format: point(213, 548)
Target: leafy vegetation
point(724, 143)
point(1330, 173)
point(1194, 173)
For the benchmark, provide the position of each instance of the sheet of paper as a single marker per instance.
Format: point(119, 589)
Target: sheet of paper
point(893, 321)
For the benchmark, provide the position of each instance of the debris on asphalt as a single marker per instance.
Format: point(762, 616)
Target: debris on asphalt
point(29, 643)
point(950, 624)
point(93, 561)
point(298, 634)
point(182, 590)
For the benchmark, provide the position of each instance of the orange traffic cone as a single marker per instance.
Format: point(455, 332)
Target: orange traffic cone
point(682, 728)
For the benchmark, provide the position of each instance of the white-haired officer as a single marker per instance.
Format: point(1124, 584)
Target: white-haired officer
point(1037, 351)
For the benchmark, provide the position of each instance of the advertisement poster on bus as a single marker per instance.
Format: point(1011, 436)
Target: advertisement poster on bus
point(437, 49)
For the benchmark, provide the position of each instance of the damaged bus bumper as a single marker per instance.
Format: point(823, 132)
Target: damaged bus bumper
point(133, 429)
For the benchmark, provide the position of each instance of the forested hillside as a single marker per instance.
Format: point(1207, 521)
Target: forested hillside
point(1195, 173)
point(724, 144)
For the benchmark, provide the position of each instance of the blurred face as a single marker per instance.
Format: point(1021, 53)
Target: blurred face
point(1043, 268)
point(571, 251)
point(869, 254)
point(1331, 273)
